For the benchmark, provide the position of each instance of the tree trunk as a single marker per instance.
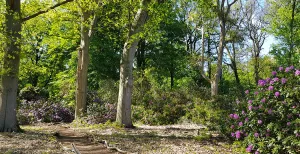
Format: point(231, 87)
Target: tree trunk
point(82, 67)
point(126, 65)
point(256, 61)
point(291, 44)
point(9, 83)
point(217, 76)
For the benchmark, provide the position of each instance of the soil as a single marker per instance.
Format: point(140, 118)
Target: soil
point(58, 138)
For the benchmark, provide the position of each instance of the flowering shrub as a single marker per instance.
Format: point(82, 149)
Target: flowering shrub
point(268, 120)
point(43, 111)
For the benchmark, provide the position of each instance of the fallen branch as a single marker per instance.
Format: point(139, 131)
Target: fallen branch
point(112, 148)
point(75, 150)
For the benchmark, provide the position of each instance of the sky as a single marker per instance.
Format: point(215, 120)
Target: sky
point(267, 45)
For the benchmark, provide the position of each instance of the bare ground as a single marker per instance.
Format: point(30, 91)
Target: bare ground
point(57, 138)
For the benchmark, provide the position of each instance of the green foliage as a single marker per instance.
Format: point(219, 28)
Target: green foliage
point(268, 119)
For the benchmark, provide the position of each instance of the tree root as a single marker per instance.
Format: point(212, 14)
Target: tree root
point(75, 150)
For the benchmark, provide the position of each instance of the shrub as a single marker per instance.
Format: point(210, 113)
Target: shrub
point(268, 119)
point(43, 111)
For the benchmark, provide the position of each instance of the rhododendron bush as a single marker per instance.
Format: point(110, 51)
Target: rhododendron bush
point(268, 120)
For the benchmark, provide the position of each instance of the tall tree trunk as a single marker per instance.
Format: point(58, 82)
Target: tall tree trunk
point(209, 57)
point(203, 48)
point(256, 61)
point(82, 66)
point(126, 65)
point(9, 83)
point(217, 76)
point(291, 52)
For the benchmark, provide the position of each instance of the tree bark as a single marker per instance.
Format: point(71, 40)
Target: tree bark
point(217, 76)
point(9, 80)
point(126, 66)
point(291, 44)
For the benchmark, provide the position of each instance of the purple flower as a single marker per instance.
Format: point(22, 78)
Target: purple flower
point(288, 123)
point(263, 100)
point(256, 93)
point(243, 112)
point(238, 134)
point(247, 92)
point(250, 107)
point(240, 124)
point(232, 126)
point(297, 73)
point(232, 134)
point(287, 69)
point(256, 134)
point(249, 148)
point(280, 68)
point(235, 116)
point(268, 130)
point(277, 94)
point(246, 119)
point(274, 73)
point(270, 111)
point(259, 121)
point(283, 80)
point(260, 106)
point(275, 79)
point(261, 82)
point(292, 67)
point(256, 152)
point(271, 88)
point(297, 135)
point(231, 115)
point(271, 82)
point(289, 116)
point(250, 101)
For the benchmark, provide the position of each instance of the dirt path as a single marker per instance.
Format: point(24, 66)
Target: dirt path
point(81, 141)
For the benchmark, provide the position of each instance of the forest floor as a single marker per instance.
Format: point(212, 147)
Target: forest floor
point(59, 138)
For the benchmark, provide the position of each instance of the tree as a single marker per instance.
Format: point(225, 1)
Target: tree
point(83, 56)
point(126, 65)
point(254, 25)
point(9, 79)
point(283, 16)
point(223, 11)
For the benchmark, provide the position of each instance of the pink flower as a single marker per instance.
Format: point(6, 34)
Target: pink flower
point(297, 73)
point(238, 134)
point(277, 94)
point(288, 123)
point(240, 124)
point(270, 111)
point(250, 101)
point(271, 88)
point(274, 73)
point(232, 126)
point(261, 82)
point(246, 119)
point(232, 134)
point(231, 115)
point(259, 121)
point(287, 69)
point(247, 92)
point(235, 116)
point(275, 79)
point(250, 107)
point(263, 100)
point(283, 80)
point(256, 134)
point(249, 148)
point(256, 93)
point(256, 152)
point(280, 68)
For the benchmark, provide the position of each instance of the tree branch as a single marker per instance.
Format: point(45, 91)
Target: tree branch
point(45, 11)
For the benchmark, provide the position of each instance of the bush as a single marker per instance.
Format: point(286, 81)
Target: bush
point(268, 119)
point(98, 110)
point(43, 111)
